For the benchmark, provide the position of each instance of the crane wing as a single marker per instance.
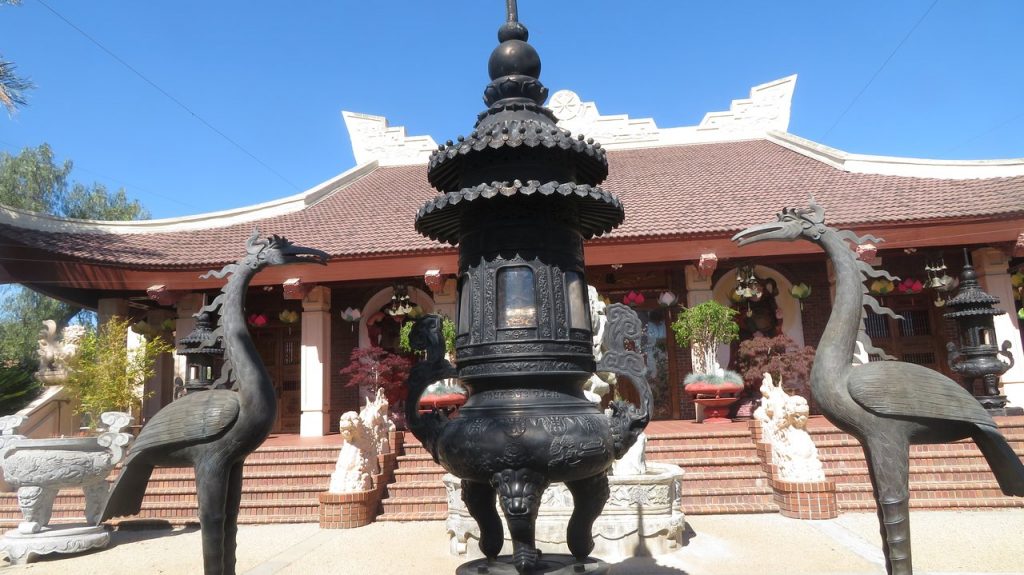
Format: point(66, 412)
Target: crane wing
point(180, 424)
point(908, 390)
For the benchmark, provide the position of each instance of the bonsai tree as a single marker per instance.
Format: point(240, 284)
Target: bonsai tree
point(376, 368)
point(447, 328)
point(788, 363)
point(702, 328)
point(106, 375)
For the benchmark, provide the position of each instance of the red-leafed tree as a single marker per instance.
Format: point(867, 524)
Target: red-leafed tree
point(376, 368)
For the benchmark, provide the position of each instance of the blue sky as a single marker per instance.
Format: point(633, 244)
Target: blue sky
point(273, 77)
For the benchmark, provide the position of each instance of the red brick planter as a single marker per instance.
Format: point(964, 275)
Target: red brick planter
point(348, 510)
point(806, 500)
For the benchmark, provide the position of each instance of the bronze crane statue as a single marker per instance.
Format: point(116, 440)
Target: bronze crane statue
point(214, 431)
point(887, 405)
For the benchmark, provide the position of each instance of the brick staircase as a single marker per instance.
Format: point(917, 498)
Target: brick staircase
point(723, 475)
point(722, 472)
point(948, 476)
point(417, 494)
point(281, 486)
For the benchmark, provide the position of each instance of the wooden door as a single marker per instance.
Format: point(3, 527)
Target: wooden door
point(917, 338)
point(280, 348)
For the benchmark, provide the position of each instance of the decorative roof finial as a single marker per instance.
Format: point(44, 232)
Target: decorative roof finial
point(514, 66)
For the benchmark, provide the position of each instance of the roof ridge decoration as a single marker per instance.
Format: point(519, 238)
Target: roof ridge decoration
point(766, 109)
point(372, 139)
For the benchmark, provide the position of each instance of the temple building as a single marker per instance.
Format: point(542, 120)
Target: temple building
point(686, 190)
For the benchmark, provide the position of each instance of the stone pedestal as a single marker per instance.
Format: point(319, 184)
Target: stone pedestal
point(642, 510)
point(348, 510)
point(806, 500)
point(23, 548)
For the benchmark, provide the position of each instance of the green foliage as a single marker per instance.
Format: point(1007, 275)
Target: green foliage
point(105, 376)
point(33, 180)
point(12, 86)
point(447, 329)
point(22, 313)
point(727, 376)
point(17, 388)
point(709, 323)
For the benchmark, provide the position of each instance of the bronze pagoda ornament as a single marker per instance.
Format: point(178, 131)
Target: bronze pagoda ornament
point(204, 354)
point(976, 359)
point(519, 196)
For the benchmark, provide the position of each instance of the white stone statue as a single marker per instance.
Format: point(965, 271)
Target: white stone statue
point(634, 462)
point(769, 413)
point(54, 354)
point(376, 418)
point(357, 462)
point(599, 384)
point(793, 451)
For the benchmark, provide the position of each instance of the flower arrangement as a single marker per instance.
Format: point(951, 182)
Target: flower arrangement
point(257, 320)
point(667, 299)
point(633, 298)
point(881, 287)
point(288, 316)
point(910, 286)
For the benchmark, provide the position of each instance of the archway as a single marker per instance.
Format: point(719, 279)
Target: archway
point(380, 299)
point(792, 320)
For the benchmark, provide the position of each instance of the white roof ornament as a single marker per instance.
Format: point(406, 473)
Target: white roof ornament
point(372, 139)
point(766, 109)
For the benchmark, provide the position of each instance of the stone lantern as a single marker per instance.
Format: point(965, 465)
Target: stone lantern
point(203, 356)
point(519, 196)
point(977, 356)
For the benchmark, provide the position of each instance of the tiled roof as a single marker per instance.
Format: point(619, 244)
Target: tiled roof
point(696, 190)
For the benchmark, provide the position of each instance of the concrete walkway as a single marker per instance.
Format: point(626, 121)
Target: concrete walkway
point(945, 542)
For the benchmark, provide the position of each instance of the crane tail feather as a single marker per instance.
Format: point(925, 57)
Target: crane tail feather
point(1004, 462)
point(129, 489)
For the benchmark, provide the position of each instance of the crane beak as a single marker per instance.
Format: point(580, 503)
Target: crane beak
point(770, 231)
point(296, 254)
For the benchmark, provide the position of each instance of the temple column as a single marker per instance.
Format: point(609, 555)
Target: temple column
point(316, 362)
point(110, 306)
point(158, 390)
point(184, 323)
point(992, 267)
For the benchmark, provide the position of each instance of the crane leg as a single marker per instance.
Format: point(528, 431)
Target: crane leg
point(234, 501)
point(889, 468)
point(212, 490)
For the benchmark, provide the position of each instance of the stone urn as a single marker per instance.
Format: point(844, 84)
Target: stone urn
point(39, 468)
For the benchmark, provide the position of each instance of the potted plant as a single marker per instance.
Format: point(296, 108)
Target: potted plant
point(702, 328)
point(373, 368)
point(788, 363)
point(106, 375)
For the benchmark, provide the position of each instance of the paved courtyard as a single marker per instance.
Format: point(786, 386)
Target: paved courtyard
point(945, 542)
